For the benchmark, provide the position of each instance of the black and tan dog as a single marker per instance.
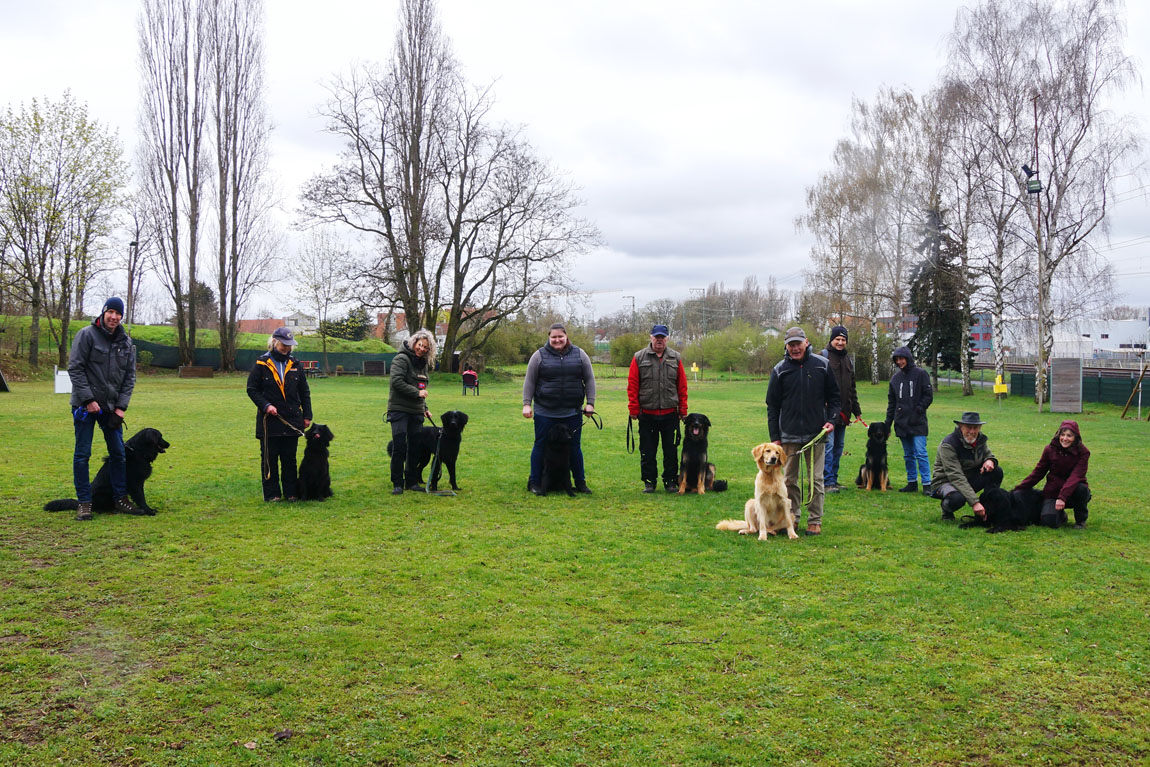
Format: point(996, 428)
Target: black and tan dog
point(315, 468)
point(139, 453)
point(873, 473)
point(695, 473)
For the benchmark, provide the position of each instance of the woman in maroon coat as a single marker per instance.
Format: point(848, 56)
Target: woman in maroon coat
point(1064, 462)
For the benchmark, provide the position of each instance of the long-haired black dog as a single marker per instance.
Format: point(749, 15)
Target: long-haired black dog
point(695, 472)
point(873, 473)
point(139, 453)
point(557, 460)
point(1014, 510)
point(447, 438)
point(315, 468)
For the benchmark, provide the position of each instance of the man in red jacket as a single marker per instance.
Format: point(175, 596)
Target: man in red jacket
point(1064, 463)
point(657, 396)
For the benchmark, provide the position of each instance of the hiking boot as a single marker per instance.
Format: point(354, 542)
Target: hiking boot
point(814, 528)
point(84, 512)
point(534, 489)
point(581, 487)
point(911, 487)
point(832, 489)
point(397, 490)
point(1079, 525)
point(670, 487)
point(926, 490)
point(417, 488)
point(124, 505)
point(648, 487)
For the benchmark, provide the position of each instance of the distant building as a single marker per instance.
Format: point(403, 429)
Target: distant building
point(299, 322)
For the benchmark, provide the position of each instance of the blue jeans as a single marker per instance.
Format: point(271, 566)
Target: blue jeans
point(114, 439)
point(914, 451)
point(834, 452)
point(543, 425)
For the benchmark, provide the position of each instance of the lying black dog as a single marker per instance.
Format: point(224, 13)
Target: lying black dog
point(139, 453)
point(695, 473)
point(314, 469)
point(447, 439)
point(557, 460)
point(1006, 510)
point(873, 473)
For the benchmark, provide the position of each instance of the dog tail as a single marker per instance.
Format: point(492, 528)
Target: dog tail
point(62, 504)
point(719, 485)
point(734, 525)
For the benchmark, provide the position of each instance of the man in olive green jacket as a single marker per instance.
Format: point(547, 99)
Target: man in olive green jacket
point(964, 467)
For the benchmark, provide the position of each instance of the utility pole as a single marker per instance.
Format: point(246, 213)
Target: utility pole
point(1040, 377)
point(632, 312)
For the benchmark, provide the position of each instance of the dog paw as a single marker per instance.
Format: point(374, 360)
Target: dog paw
point(792, 534)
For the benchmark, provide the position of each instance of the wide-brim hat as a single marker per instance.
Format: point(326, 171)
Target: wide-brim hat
point(970, 418)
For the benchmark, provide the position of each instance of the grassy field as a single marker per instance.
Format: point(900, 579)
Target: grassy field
point(497, 628)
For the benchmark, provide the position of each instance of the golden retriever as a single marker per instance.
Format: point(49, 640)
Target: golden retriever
point(770, 509)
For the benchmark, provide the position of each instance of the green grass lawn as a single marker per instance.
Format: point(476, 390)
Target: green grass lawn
point(497, 628)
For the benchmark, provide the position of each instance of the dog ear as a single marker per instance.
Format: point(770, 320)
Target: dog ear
point(462, 420)
point(782, 455)
point(758, 450)
point(706, 421)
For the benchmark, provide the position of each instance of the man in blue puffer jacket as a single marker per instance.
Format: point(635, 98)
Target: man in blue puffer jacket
point(908, 398)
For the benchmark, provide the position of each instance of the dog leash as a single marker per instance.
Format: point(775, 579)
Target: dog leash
point(631, 434)
point(436, 466)
point(267, 467)
point(810, 473)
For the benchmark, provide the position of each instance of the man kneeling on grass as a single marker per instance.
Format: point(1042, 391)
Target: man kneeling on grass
point(964, 467)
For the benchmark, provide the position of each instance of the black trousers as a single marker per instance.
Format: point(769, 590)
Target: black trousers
point(277, 460)
point(404, 472)
point(1052, 517)
point(652, 430)
point(952, 500)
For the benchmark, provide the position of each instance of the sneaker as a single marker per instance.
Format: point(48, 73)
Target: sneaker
point(397, 490)
point(124, 505)
point(648, 487)
point(947, 515)
point(581, 487)
point(814, 529)
point(926, 489)
point(1079, 525)
point(832, 489)
point(417, 488)
point(670, 487)
point(911, 487)
point(534, 489)
point(84, 512)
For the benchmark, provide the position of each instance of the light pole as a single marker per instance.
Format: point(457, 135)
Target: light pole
point(130, 304)
point(1034, 186)
point(632, 312)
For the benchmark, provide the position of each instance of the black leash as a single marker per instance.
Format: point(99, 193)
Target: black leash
point(267, 467)
point(436, 467)
point(630, 435)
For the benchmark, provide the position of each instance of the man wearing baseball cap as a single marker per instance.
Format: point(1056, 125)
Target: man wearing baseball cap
point(802, 401)
point(657, 396)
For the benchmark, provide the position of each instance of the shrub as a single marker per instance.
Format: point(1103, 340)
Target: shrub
point(623, 348)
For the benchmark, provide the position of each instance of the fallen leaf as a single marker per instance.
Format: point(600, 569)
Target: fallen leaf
point(250, 745)
point(457, 656)
point(283, 734)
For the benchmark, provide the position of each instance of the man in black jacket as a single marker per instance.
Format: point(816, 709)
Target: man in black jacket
point(844, 372)
point(802, 401)
point(102, 367)
point(908, 398)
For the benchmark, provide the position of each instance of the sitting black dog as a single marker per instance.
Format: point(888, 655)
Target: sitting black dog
point(1015, 510)
point(445, 440)
point(314, 469)
point(873, 473)
point(696, 473)
point(139, 453)
point(557, 460)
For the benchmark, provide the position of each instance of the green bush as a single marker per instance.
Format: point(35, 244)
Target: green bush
point(143, 358)
point(623, 348)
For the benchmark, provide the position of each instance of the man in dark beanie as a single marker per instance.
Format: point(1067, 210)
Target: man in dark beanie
point(843, 369)
point(102, 367)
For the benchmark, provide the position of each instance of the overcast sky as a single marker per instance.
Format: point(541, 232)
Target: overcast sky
point(692, 129)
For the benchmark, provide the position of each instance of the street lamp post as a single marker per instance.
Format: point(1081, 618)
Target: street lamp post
point(130, 304)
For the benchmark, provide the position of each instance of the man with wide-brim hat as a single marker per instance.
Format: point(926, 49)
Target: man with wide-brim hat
point(964, 467)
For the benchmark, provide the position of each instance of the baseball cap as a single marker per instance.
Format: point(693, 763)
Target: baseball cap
point(795, 334)
point(284, 336)
point(660, 330)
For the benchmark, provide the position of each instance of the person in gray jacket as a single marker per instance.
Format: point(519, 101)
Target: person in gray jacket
point(102, 367)
point(964, 467)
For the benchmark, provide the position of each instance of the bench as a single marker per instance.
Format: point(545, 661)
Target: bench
point(196, 371)
point(375, 367)
point(311, 369)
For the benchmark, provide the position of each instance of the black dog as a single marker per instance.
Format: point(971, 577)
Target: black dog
point(314, 470)
point(695, 473)
point(557, 460)
point(139, 453)
point(873, 473)
point(1015, 510)
point(447, 439)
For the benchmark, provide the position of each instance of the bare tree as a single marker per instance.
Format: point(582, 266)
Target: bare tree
point(323, 280)
point(61, 177)
point(173, 107)
point(467, 218)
